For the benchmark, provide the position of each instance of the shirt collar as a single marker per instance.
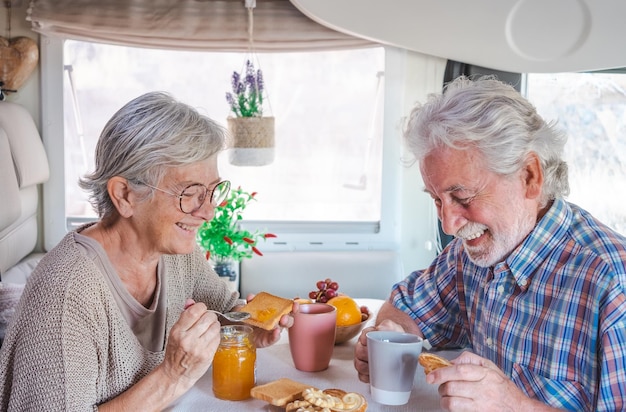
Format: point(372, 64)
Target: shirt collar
point(541, 241)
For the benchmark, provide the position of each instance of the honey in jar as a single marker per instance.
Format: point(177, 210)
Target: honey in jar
point(234, 364)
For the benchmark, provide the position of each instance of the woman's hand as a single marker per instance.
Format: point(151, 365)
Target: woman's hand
point(190, 349)
point(192, 343)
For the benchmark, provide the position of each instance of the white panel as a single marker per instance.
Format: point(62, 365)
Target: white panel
point(510, 35)
point(53, 139)
point(360, 274)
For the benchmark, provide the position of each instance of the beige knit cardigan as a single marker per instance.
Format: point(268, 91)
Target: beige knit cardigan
point(68, 346)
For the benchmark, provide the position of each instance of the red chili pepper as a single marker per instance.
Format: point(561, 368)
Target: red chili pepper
point(248, 240)
point(257, 251)
point(228, 240)
point(267, 235)
point(253, 194)
point(224, 203)
point(208, 255)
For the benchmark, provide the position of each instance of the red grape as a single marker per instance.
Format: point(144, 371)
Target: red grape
point(326, 290)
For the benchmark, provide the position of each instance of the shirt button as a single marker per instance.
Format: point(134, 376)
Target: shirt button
point(500, 289)
point(489, 342)
point(524, 282)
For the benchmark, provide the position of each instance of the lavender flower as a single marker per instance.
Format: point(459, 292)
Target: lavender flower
point(246, 99)
point(259, 81)
point(235, 83)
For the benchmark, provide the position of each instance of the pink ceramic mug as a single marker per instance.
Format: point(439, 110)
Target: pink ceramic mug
point(312, 336)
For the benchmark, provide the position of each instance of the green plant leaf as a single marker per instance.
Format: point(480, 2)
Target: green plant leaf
point(226, 224)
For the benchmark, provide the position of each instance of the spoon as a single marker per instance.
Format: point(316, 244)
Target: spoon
point(232, 316)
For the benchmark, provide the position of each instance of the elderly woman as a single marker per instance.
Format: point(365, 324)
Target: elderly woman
point(115, 316)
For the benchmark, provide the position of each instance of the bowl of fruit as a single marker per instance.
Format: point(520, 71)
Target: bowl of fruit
point(351, 317)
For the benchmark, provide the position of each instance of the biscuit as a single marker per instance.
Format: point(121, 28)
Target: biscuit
point(430, 362)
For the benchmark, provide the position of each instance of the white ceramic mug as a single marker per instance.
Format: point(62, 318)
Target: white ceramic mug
point(392, 364)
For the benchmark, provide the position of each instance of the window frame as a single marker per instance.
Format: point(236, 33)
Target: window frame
point(382, 235)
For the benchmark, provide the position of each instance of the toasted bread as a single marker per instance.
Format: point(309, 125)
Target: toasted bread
point(266, 309)
point(430, 362)
point(335, 400)
point(279, 392)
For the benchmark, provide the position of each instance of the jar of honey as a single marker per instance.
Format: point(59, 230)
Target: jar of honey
point(234, 364)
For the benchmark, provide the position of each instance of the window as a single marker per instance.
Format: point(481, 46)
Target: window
point(591, 107)
point(331, 108)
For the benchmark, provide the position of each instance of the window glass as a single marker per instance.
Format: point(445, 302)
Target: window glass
point(328, 121)
point(591, 107)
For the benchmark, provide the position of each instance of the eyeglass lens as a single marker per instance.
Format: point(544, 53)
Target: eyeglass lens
point(220, 192)
point(194, 196)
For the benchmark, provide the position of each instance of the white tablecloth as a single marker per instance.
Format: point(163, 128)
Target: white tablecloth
point(275, 362)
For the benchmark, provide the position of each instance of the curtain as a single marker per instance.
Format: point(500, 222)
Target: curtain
point(209, 25)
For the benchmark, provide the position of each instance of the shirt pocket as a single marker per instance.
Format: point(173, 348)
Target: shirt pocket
point(560, 393)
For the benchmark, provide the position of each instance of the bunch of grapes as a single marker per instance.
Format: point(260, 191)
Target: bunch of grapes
point(326, 290)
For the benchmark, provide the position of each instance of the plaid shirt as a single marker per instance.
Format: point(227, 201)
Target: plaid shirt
point(552, 316)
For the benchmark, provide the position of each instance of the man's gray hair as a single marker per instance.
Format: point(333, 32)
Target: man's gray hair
point(493, 117)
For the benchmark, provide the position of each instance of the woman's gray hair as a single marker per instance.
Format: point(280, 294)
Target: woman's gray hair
point(493, 117)
point(143, 139)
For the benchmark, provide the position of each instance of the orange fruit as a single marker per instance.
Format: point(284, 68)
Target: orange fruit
point(348, 311)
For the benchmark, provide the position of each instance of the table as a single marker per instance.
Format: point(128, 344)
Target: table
point(275, 362)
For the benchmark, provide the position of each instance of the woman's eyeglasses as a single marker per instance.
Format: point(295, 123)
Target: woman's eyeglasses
point(193, 196)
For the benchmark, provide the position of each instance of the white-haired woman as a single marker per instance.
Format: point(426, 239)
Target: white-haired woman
point(115, 316)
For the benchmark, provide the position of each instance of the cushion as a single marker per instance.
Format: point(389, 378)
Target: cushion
point(10, 294)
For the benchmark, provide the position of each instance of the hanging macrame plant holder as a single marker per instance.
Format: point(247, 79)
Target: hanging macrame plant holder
point(252, 141)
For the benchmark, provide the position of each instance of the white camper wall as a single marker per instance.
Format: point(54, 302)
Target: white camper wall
point(360, 274)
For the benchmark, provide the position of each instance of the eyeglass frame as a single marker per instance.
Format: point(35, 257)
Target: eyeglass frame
point(208, 194)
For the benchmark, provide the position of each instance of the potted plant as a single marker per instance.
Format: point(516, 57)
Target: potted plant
point(252, 133)
point(223, 239)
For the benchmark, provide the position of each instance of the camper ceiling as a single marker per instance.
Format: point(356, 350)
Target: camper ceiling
point(526, 36)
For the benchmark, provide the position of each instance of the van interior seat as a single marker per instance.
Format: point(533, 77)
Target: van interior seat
point(360, 274)
point(23, 168)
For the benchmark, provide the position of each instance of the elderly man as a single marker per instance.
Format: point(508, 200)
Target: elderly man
point(532, 285)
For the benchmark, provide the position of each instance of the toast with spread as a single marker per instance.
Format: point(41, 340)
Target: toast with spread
point(266, 309)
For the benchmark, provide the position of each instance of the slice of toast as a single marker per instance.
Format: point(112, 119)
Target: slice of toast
point(266, 309)
point(279, 392)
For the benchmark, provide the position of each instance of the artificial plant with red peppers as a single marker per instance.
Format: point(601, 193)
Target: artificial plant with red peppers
point(223, 238)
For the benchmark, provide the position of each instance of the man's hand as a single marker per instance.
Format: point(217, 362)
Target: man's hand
point(474, 383)
point(361, 363)
point(388, 318)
